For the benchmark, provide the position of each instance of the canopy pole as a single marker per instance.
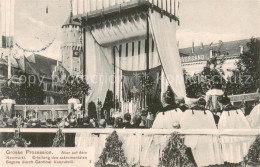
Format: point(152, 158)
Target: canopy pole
point(114, 59)
point(84, 67)
point(147, 54)
point(120, 79)
point(147, 45)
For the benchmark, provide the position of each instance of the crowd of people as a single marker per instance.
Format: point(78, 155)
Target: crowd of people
point(196, 115)
point(172, 115)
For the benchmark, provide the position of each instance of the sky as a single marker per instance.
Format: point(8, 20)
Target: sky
point(213, 20)
point(200, 21)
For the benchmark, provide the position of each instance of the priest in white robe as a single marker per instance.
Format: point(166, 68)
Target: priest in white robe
point(254, 117)
point(234, 148)
point(169, 116)
point(206, 149)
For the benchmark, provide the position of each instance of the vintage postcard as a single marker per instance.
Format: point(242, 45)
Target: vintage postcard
point(130, 83)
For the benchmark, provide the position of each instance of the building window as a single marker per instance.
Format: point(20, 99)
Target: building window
point(48, 87)
point(45, 86)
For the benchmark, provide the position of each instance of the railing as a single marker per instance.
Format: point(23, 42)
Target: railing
point(229, 132)
point(141, 146)
point(86, 6)
point(244, 97)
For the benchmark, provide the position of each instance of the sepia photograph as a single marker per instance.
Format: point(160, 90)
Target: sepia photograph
point(130, 83)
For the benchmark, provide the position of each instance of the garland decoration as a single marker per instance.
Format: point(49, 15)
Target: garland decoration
point(33, 51)
point(253, 156)
point(174, 154)
point(59, 139)
point(76, 87)
point(112, 154)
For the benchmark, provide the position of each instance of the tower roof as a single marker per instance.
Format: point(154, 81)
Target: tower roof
point(70, 21)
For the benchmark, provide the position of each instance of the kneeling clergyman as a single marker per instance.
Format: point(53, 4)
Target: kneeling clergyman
point(206, 149)
point(234, 148)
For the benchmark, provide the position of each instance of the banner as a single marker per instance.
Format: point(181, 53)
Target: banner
point(131, 79)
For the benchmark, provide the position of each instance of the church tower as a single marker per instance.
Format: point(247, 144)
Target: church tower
point(71, 48)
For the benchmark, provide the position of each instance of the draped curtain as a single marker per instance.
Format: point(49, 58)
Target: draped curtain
point(164, 34)
point(99, 69)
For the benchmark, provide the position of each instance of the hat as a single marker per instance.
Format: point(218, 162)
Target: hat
point(169, 96)
point(127, 117)
point(110, 121)
point(80, 121)
point(144, 112)
point(202, 102)
point(43, 122)
point(224, 99)
point(86, 119)
point(137, 119)
point(119, 121)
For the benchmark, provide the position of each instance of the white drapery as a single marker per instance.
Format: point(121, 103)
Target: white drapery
point(127, 30)
point(164, 34)
point(99, 69)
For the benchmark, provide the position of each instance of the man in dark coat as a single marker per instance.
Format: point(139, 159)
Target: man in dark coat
point(127, 123)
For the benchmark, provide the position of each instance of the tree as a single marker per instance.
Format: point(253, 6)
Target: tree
point(253, 157)
point(113, 153)
point(27, 91)
point(10, 91)
point(210, 78)
point(76, 87)
point(174, 154)
point(108, 104)
point(92, 110)
point(30, 91)
point(59, 139)
point(245, 78)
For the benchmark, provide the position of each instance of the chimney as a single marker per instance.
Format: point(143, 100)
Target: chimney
point(210, 54)
point(192, 49)
point(201, 45)
point(241, 49)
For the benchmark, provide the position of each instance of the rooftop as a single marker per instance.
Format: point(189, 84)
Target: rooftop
point(230, 47)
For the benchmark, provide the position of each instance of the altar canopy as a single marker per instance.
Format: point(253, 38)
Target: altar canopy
point(134, 41)
point(86, 6)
